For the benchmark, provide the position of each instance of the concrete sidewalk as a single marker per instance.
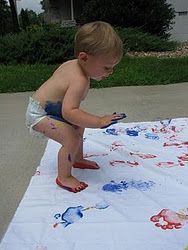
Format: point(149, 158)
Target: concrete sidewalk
point(20, 154)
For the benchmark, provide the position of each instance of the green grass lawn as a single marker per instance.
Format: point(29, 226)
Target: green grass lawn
point(131, 71)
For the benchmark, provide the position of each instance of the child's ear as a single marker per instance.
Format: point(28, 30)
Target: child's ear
point(83, 56)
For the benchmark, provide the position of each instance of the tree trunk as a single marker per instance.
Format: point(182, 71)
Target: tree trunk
point(14, 16)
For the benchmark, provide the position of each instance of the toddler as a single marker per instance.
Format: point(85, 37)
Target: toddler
point(54, 109)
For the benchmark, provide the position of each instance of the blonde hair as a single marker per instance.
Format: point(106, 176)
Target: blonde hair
point(98, 38)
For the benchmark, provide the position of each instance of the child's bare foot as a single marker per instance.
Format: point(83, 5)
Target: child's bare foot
point(71, 184)
point(86, 164)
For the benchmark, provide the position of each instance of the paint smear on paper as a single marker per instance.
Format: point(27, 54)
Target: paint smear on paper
point(143, 156)
point(116, 145)
point(132, 132)
point(94, 155)
point(125, 163)
point(179, 145)
point(111, 131)
point(125, 185)
point(183, 157)
point(168, 219)
point(151, 136)
point(73, 214)
point(170, 164)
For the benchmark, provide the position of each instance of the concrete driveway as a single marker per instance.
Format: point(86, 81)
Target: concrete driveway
point(20, 154)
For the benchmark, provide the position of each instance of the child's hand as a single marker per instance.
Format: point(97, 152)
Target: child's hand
point(108, 120)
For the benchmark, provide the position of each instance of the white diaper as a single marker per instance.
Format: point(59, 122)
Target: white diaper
point(34, 114)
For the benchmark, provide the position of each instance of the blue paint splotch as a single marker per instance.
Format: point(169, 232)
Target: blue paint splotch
point(165, 122)
point(151, 136)
point(73, 214)
point(111, 131)
point(124, 185)
point(101, 205)
point(132, 132)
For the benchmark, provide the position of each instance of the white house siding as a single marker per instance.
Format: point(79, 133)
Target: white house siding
point(180, 28)
point(58, 10)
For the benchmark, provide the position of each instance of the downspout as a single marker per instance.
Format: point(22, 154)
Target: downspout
point(72, 10)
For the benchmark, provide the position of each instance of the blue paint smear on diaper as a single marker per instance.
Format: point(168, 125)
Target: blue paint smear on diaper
point(124, 185)
point(53, 108)
point(54, 111)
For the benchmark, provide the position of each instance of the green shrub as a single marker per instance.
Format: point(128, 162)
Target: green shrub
point(47, 44)
point(52, 44)
point(136, 40)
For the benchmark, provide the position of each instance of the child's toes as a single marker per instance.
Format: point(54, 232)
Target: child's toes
point(79, 186)
point(78, 189)
point(83, 185)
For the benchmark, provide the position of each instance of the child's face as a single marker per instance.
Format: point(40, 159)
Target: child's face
point(100, 67)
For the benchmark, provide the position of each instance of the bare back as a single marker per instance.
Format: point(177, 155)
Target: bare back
point(55, 88)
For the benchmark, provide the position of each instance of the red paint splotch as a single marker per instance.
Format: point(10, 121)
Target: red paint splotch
point(129, 163)
point(116, 145)
point(183, 157)
point(170, 164)
point(93, 155)
point(143, 156)
point(168, 219)
point(179, 145)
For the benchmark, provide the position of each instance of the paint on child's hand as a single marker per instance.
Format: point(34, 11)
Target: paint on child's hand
point(124, 185)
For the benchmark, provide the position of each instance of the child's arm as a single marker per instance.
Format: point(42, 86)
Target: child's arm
point(72, 113)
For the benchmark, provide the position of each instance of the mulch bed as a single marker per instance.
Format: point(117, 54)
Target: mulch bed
point(180, 52)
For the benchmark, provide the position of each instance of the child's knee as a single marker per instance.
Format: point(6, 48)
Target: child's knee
point(74, 141)
point(77, 139)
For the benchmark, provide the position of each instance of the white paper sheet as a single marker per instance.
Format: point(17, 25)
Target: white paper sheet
point(138, 199)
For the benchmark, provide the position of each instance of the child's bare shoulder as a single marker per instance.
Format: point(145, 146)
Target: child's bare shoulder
point(70, 69)
point(71, 72)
